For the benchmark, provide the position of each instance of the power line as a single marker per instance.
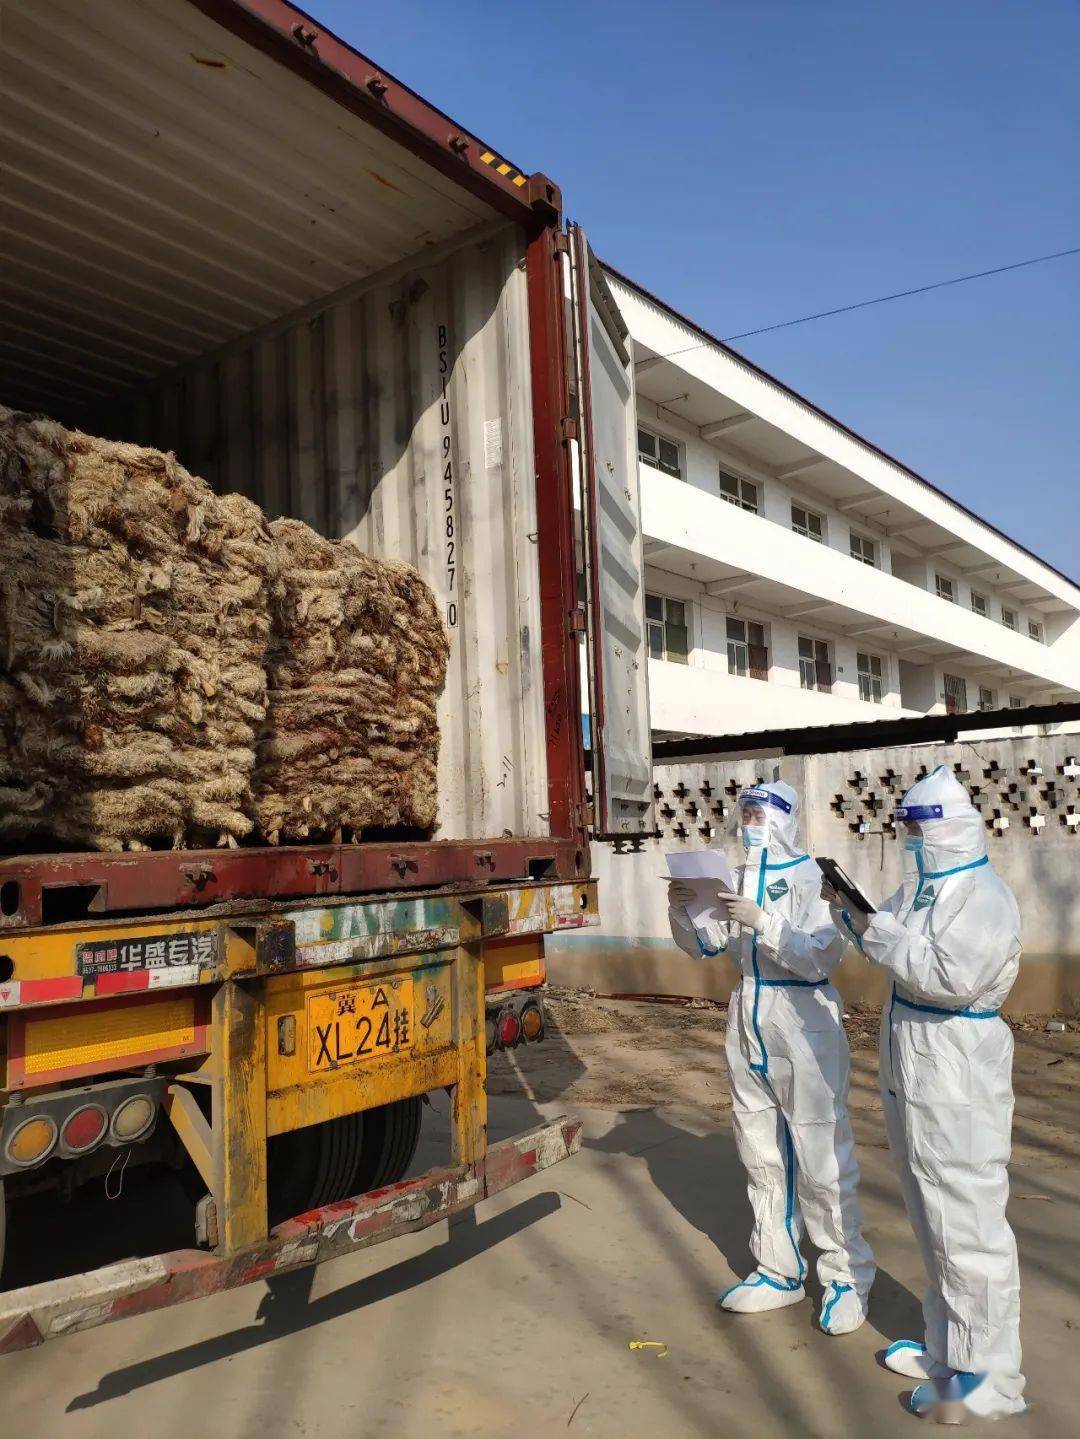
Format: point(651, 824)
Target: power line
point(881, 300)
point(903, 294)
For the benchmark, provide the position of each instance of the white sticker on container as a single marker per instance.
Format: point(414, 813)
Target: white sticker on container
point(9, 994)
point(174, 975)
point(493, 444)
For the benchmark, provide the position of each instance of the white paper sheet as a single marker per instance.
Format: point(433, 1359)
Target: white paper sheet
point(706, 871)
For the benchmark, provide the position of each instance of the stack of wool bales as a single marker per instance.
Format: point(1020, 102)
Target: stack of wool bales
point(134, 624)
point(174, 671)
point(358, 656)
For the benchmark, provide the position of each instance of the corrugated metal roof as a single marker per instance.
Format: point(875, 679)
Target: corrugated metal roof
point(862, 734)
point(170, 187)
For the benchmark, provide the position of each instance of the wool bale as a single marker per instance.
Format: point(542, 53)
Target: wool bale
point(134, 621)
point(356, 660)
point(176, 671)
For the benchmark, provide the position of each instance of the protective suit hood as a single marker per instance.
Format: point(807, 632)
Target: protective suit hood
point(952, 827)
point(781, 805)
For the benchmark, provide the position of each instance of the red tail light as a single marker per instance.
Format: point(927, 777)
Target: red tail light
point(509, 1029)
point(84, 1128)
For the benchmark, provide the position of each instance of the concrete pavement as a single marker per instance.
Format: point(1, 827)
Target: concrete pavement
point(517, 1320)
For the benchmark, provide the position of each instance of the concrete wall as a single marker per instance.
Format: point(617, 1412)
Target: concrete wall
point(685, 699)
point(846, 797)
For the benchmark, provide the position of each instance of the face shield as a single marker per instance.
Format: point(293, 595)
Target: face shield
point(753, 825)
point(767, 819)
point(938, 823)
point(908, 820)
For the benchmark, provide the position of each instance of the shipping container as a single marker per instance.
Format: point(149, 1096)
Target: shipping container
point(230, 235)
point(400, 417)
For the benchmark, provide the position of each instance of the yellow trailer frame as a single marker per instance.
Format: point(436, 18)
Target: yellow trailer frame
point(240, 1022)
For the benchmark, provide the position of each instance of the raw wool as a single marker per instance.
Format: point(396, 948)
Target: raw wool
point(357, 659)
point(134, 622)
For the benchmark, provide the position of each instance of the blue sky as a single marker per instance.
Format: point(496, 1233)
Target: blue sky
point(753, 162)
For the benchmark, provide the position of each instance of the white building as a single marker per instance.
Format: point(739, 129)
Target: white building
point(797, 575)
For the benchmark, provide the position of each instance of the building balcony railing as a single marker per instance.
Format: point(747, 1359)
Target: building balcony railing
point(764, 565)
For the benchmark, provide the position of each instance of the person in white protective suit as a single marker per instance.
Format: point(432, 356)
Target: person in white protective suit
point(950, 941)
point(789, 1067)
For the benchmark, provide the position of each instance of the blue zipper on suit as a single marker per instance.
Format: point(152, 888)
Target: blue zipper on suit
point(892, 999)
point(762, 1069)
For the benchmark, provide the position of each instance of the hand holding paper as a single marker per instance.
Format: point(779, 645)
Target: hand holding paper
point(701, 874)
point(741, 909)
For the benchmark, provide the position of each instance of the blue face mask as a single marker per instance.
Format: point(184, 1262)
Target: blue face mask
point(913, 844)
point(754, 836)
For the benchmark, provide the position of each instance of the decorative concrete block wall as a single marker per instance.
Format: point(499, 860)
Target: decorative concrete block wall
point(1026, 789)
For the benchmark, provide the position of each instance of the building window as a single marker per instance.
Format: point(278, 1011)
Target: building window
point(863, 549)
point(805, 522)
point(946, 589)
point(1016, 702)
point(739, 492)
point(871, 676)
point(987, 698)
point(979, 604)
point(661, 454)
point(955, 695)
point(669, 635)
point(1035, 630)
point(815, 671)
point(1008, 618)
point(746, 650)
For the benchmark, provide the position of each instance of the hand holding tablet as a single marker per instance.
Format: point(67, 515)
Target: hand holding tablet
point(844, 887)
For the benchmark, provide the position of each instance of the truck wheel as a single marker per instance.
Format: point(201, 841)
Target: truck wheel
point(393, 1134)
point(323, 1163)
point(3, 1227)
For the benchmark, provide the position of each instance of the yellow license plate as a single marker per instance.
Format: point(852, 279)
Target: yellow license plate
point(358, 1024)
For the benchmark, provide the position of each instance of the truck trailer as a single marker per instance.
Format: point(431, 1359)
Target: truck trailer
point(231, 236)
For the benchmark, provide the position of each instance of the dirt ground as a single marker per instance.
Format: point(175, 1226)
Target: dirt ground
point(614, 1052)
point(519, 1319)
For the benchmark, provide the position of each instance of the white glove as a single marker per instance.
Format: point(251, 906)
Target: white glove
point(742, 910)
point(856, 922)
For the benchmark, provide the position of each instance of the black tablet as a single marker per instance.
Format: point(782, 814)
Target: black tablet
point(845, 887)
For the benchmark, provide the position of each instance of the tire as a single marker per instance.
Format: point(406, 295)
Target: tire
point(393, 1139)
point(3, 1227)
point(309, 1168)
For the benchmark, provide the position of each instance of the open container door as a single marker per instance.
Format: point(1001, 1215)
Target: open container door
point(615, 637)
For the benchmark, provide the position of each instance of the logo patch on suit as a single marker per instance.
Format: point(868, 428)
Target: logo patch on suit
point(777, 888)
point(925, 900)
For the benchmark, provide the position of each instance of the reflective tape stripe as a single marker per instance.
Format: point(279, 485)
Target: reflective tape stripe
point(788, 863)
point(792, 983)
point(949, 1013)
point(837, 1290)
point(941, 873)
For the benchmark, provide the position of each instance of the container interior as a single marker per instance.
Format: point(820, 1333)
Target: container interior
point(207, 254)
